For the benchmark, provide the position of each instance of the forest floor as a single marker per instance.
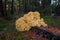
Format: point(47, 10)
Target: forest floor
point(9, 32)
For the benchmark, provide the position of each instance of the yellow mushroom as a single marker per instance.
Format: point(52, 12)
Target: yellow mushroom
point(29, 20)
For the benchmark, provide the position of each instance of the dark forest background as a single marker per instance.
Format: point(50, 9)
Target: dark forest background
point(10, 10)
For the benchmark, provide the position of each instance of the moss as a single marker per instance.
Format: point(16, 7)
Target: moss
point(52, 21)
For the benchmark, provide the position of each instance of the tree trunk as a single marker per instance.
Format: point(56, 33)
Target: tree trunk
point(1, 8)
point(12, 7)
